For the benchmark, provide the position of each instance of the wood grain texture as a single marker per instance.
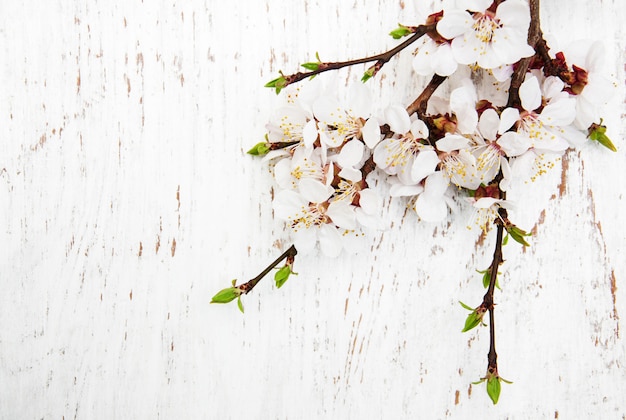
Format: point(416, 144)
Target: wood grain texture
point(127, 200)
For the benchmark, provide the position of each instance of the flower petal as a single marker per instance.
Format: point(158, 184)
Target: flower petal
point(370, 201)
point(444, 63)
point(327, 110)
point(559, 113)
point(385, 155)
point(419, 129)
point(401, 190)
point(282, 174)
point(423, 60)
point(305, 240)
point(552, 86)
point(351, 153)
point(530, 94)
point(436, 184)
point(330, 241)
point(452, 142)
point(467, 48)
point(351, 174)
point(515, 14)
point(424, 164)
point(502, 73)
point(513, 144)
point(477, 5)
point(398, 119)
point(342, 214)
point(287, 203)
point(371, 132)
point(314, 191)
point(454, 23)
point(309, 133)
point(488, 124)
point(508, 117)
point(360, 100)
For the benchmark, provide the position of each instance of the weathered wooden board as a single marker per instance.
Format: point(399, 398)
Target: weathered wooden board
point(127, 201)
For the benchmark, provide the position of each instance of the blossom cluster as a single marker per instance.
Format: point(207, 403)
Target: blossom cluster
point(472, 144)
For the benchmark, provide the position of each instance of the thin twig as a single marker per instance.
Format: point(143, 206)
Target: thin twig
point(488, 301)
point(248, 286)
point(534, 35)
point(381, 59)
point(420, 104)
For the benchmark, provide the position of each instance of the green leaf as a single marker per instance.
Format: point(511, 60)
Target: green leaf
point(472, 321)
point(282, 275)
point(279, 83)
point(518, 234)
point(226, 295)
point(466, 306)
point(506, 239)
point(486, 278)
point(239, 304)
point(369, 73)
point(597, 132)
point(400, 32)
point(259, 149)
point(493, 388)
point(311, 66)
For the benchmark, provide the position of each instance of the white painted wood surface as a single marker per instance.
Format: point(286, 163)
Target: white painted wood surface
point(127, 201)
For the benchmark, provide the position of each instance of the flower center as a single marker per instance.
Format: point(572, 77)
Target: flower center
point(291, 131)
point(485, 26)
point(346, 191)
point(307, 169)
point(313, 216)
point(349, 129)
point(534, 128)
point(400, 150)
point(489, 158)
point(454, 167)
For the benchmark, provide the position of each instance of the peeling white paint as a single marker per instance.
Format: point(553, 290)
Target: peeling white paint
point(128, 201)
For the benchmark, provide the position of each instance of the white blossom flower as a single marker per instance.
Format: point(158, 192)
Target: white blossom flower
point(351, 159)
point(368, 212)
point(434, 57)
point(486, 211)
point(487, 38)
point(592, 89)
point(432, 204)
point(528, 167)
point(316, 221)
point(302, 164)
point(495, 144)
point(291, 124)
point(458, 163)
point(352, 188)
point(463, 105)
point(544, 119)
point(405, 155)
point(338, 124)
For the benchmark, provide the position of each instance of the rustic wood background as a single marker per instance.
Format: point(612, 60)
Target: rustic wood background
point(127, 201)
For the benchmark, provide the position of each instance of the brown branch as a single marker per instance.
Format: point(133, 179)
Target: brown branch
point(420, 104)
point(534, 35)
point(535, 40)
point(488, 301)
point(282, 144)
point(248, 286)
point(380, 59)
